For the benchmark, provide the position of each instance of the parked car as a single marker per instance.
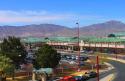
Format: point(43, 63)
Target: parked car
point(84, 78)
point(90, 52)
point(72, 62)
point(68, 57)
point(68, 78)
point(73, 57)
point(82, 58)
point(78, 78)
point(82, 51)
point(81, 78)
point(56, 79)
point(91, 74)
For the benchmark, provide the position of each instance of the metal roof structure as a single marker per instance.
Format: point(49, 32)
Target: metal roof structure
point(63, 39)
point(107, 40)
point(119, 34)
point(33, 40)
point(73, 39)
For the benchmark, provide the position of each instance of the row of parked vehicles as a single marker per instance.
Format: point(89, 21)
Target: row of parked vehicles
point(74, 57)
point(84, 77)
point(71, 59)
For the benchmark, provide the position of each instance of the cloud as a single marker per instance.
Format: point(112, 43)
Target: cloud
point(30, 16)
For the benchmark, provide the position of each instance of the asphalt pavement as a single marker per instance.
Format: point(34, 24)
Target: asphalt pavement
point(102, 75)
point(120, 70)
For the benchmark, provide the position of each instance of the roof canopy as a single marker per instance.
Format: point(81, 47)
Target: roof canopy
point(112, 39)
point(72, 39)
point(119, 34)
point(33, 40)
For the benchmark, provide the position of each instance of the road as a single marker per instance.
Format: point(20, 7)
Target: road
point(120, 70)
point(102, 75)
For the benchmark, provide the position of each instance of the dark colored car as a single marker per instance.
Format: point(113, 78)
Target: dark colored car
point(84, 78)
point(81, 78)
point(91, 74)
point(78, 78)
point(56, 79)
point(83, 58)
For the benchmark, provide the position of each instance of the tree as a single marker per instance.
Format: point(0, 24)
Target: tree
point(13, 48)
point(111, 35)
point(47, 57)
point(5, 65)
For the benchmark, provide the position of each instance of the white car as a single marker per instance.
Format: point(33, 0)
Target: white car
point(72, 62)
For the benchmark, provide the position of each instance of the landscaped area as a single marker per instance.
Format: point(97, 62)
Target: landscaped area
point(19, 63)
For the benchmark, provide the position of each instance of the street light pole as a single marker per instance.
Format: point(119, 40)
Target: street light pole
point(97, 59)
point(78, 46)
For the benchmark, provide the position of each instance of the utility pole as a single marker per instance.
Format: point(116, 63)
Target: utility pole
point(78, 46)
point(97, 59)
point(116, 51)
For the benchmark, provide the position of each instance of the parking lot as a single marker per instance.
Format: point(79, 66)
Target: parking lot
point(70, 62)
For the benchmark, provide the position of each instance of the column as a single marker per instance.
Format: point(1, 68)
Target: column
point(81, 48)
point(33, 76)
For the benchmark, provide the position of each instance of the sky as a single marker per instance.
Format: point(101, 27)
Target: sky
point(60, 12)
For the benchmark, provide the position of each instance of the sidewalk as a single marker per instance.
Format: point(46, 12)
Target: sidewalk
point(110, 77)
point(119, 60)
point(110, 67)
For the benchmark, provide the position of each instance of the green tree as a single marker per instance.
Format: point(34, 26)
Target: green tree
point(5, 64)
point(111, 35)
point(47, 57)
point(13, 48)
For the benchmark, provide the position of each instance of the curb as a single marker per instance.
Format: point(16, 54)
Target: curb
point(119, 60)
point(110, 67)
point(109, 77)
point(113, 76)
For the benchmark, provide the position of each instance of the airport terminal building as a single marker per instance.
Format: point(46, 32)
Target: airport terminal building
point(115, 44)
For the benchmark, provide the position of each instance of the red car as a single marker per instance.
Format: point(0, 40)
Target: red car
point(68, 78)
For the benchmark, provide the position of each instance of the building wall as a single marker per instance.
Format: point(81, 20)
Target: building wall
point(101, 47)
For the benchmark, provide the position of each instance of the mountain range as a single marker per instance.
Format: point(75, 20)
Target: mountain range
point(49, 30)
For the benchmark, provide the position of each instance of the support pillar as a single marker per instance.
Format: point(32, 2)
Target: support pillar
point(69, 48)
point(81, 48)
point(33, 76)
point(43, 77)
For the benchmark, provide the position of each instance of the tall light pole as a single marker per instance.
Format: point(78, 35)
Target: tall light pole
point(78, 46)
point(97, 66)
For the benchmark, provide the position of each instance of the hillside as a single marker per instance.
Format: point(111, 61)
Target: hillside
point(47, 30)
point(103, 29)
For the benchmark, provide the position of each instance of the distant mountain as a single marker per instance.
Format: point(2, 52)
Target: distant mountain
point(103, 29)
point(42, 30)
point(47, 30)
